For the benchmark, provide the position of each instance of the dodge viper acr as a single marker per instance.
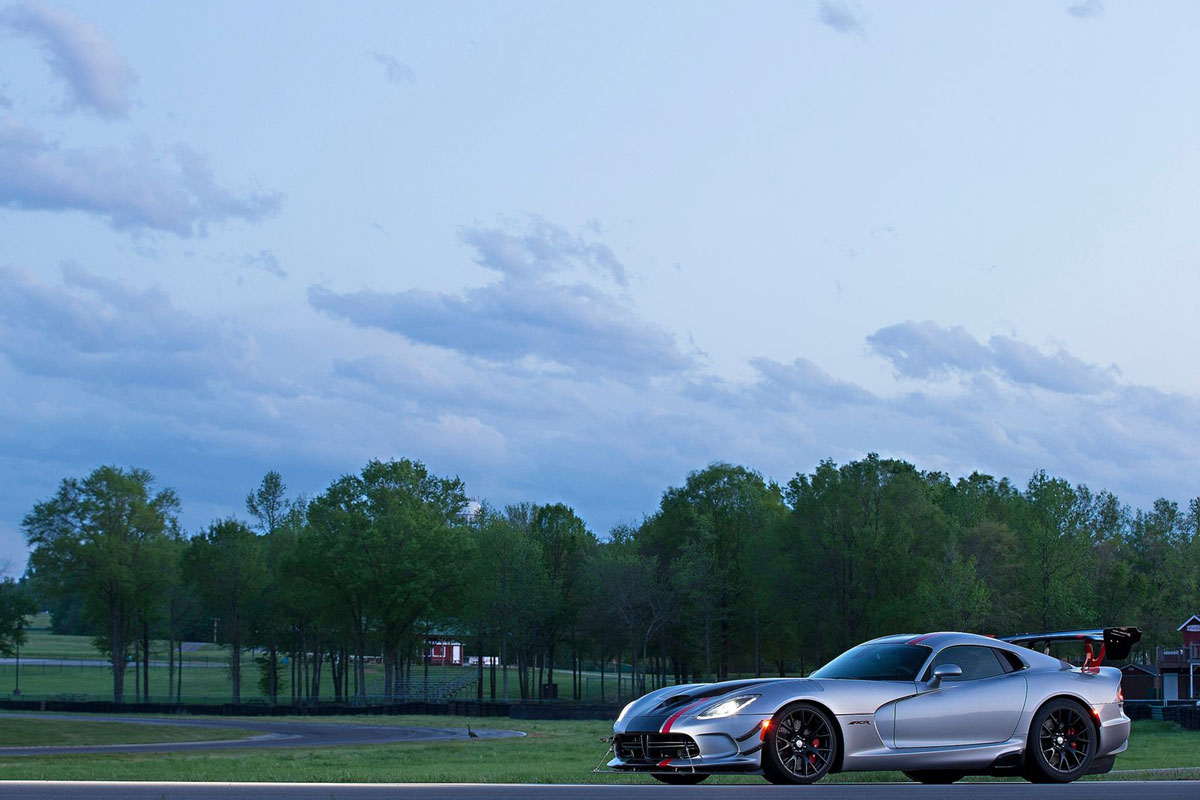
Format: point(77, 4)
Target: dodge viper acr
point(937, 706)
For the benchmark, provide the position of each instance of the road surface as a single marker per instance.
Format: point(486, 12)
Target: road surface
point(272, 732)
point(1109, 790)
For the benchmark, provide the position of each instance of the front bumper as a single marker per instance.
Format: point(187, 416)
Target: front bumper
point(728, 744)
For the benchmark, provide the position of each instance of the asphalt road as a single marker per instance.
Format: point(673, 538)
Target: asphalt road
point(271, 733)
point(1110, 790)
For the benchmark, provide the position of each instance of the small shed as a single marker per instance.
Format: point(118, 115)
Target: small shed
point(1139, 682)
point(441, 652)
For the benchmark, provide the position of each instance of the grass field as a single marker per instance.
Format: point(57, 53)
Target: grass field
point(41, 643)
point(553, 752)
point(206, 673)
point(54, 732)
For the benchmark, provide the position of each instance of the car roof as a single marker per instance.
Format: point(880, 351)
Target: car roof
point(940, 639)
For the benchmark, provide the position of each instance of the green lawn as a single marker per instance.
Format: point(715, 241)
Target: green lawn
point(553, 752)
point(56, 732)
point(200, 684)
point(41, 643)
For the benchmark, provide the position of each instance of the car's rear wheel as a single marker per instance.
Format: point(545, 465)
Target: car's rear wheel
point(680, 778)
point(800, 745)
point(934, 776)
point(1062, 743)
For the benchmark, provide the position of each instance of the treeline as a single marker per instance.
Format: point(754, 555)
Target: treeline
point(731, 575)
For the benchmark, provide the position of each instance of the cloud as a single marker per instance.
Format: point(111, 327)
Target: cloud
point(841, 17)
point(396, 71)
point(99, 371)
point(131, 190)
point(927, 350)
point(924, 350)
point(1088, 9)
point(805, 379)
point(106, 332)
point(95, 74)
point(545, 307)
point(267, 262)
point(1060, 372)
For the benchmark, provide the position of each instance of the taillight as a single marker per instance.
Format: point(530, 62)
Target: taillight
point(1120, 697)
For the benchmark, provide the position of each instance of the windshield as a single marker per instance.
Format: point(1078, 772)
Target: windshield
point(876, 662)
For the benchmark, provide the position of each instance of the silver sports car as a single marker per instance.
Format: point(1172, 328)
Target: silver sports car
point(937, 706)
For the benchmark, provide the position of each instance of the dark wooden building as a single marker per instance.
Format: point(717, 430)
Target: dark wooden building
point(1180, 667)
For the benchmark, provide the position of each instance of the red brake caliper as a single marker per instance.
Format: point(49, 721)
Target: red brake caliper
point(812, 757)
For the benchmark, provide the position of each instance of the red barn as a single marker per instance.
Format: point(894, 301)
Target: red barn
point(1181, 668)
point(443, 652)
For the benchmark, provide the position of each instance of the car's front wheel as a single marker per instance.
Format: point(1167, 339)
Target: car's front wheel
point(800, 745)
point(680, 778)
point(1062, 743)
point(934, 776)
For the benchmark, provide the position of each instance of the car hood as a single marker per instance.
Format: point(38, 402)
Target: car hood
point(842, 696)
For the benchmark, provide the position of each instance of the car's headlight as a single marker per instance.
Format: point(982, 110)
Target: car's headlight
point(728, 707)
point(624, 710)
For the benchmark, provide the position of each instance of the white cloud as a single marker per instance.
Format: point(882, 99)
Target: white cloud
point(141, 188)
point(104, 332)
point(99, 371)
point(927, 350)
point(529, 312)
point(1088, 9)
point(841, 17)
point(267, 262)
point(96, 76)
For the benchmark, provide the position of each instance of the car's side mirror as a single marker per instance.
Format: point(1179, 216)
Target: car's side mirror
point(944, 671)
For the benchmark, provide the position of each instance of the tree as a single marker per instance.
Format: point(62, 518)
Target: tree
point(268, 504)
point(862, 536)
point(702, 534)
point(226, 568)
point(507, 587)
point(100, 539)
point(638, 597)
point(953, 597)
point(393, 540)
point(1057, 552)
point(566, 544)
point(15, 604)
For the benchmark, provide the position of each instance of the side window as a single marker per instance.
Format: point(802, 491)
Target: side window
point(1009, 661)
point(976, 662)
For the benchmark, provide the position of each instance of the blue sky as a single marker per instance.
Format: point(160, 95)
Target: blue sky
point(570, 252)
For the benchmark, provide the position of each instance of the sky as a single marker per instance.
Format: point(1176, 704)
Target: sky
point(570, 252)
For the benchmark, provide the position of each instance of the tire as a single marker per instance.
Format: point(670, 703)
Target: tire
point(680, 778)
point(1062, 743)
point(801, 745)
point(934, 776)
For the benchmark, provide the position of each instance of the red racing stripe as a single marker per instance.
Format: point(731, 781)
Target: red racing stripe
point(666, 728)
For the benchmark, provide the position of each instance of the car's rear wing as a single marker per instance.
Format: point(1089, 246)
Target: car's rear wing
point(1114, 642)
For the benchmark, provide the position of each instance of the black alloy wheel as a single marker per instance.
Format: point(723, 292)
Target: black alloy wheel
point(800, 745)
point(934, 775)
point(680, 778)
point(1062, 743)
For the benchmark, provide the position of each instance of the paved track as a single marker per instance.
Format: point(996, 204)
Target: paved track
point(272, 732)
point(20, 790)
